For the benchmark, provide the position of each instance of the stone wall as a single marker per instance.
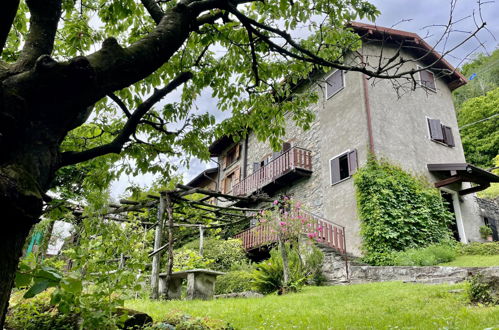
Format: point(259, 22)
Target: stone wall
point(337, 270)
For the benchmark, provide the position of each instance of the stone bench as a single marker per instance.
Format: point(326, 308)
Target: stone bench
point(200, 284)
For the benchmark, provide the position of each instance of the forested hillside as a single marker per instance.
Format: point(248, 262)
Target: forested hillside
point(477, 106)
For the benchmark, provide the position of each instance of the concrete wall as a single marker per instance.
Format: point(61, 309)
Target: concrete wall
point(401, 134)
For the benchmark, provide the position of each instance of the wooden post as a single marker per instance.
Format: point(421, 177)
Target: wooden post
point(201, 240)
point(156, 259)
point(169, 211)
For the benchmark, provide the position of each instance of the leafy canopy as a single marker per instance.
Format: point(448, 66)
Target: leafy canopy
point(244, 74)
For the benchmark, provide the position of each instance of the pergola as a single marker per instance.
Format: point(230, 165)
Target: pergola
point(172, 206)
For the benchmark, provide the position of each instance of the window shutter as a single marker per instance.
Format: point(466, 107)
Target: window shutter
point(352, 162)
point(448, 137)
point(286, 146)
point(335, 170)
point(436, 132)
point(334, 83)
point(225, 160)
point(427, 79)
point(237, 176)
point(238, 151)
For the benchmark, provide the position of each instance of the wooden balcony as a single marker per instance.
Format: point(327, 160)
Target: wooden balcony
point(293, 164)
point(329, 233)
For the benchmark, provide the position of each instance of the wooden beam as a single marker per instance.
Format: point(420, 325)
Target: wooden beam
point(156, 261)
point(448, 181)
point(474, 189)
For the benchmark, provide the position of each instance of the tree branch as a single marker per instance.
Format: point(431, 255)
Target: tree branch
point(44, 17)
point(7, 15)
point(153, 9)
point(71, 157)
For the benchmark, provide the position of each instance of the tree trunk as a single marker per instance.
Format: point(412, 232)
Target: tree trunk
point(285, 264)
point(11, 245)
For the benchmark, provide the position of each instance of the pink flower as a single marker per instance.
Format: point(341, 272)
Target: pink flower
point(282, 223)
point(298, 205)
point(311, 235)
point(276, 202)
point(319, 228)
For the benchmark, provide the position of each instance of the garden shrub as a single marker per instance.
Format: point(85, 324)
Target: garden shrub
point(428, 256)
point(268, 276)
point(234, 281)
point(222, 252)
point(37, 313)
point(484, 290)
point(397, 211)
point(476, 248)
point(185, 259)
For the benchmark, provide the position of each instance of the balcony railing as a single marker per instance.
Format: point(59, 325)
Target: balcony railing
point(328, 233)
point(292, 159)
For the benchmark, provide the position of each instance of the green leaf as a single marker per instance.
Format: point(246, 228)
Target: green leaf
point(38, 287)
point(72, 285)
point(22, 279)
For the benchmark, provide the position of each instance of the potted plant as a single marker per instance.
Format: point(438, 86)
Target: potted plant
point(486, 233)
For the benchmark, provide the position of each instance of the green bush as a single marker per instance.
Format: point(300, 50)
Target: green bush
point(483, 290)
point(234, 281)
point(476, 248)
point(37, 314)
point(185, 259)
point(397, 210)
point(428, 256)
point(223, 253)
point(268, 276)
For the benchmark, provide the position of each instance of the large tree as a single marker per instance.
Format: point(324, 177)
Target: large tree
point(79, 79)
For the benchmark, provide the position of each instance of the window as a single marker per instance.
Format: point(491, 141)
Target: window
point(334, 83)
point(343, 166)
point(230, 180)
point(440, 133)
point(232, 156)
point(427, 80)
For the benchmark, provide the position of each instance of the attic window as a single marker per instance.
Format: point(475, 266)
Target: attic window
point(334, 83)
point(343, 166)
point(427, 80)
point(440, 133)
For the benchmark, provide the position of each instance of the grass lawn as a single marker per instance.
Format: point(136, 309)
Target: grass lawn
point(474, 261)
point(388, 305)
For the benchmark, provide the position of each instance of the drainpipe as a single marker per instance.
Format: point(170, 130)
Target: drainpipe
point(367, 106)
point(245, 157)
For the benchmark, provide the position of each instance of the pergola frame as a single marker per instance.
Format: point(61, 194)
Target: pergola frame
point(172, 203)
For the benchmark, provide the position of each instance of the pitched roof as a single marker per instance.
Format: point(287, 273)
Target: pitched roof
point(415, 44)
point(378, 33)
point(202, 176)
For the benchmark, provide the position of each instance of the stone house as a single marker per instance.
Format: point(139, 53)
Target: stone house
point(353, 117)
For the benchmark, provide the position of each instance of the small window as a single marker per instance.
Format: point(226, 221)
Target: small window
point(343, 166)
point(427, 80)
point(440, 133)
point(334, 83)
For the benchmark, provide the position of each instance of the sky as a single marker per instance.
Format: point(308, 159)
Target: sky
point(419, 16)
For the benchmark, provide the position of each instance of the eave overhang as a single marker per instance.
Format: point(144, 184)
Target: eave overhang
point(463, 172)
point(413, 44)
point(209, 173)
